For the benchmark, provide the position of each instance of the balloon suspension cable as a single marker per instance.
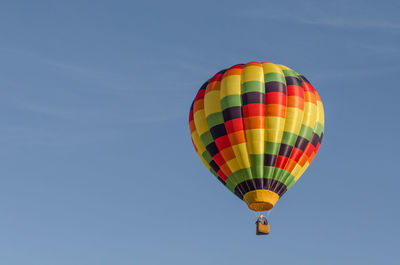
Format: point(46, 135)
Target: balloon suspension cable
point(265, 214)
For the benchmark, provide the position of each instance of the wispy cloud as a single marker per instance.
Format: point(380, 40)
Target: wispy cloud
point(382, 48)
point(62, 126)
point(72, 68)
point(343, 74)
point(328, 20)
point(18, 135)
point(342, 22)
point(102, 78)
point(98, 115)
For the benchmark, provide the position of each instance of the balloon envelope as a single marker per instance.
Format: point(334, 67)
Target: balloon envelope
point(257, 127)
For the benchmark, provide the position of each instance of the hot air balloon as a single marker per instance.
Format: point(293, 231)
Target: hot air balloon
point(257, 127)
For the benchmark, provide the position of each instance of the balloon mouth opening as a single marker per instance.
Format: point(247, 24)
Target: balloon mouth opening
point(260, 206)
point(261, 200)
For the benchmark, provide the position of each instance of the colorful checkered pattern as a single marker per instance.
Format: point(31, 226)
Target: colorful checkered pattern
point(257, 126)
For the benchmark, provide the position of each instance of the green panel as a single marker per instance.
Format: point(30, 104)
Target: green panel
point(319, 128)
point(274, 77)
point(290, 184)
point(207, 157)
point(268, 172)
point(286, 174)
point(287, 180)
point(242, 175)
point(231, 101)
point(206, 138)
point(257, 165)
point(277, 173)
point(230, 184)
point(289, 72)
point(306, 132)
point(215, 119)
point(289, 138)
point(271, 148)
point(235, 178)
point(253, 86)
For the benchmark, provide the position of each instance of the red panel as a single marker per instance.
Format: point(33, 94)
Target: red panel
point(296, 154)
point(281, 162)
point(254, 109)
point(275, 98)
point(200, 94)
point(219, 159)
point(293, 90)
point(309, 149)
point(308, 87)
point(237, 66)
point(234, 125)
point(217, 77)
point(222, 175)
point(222, 142)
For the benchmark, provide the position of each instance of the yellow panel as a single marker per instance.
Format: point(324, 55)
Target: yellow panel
point(211, 102)
point(273, 122)
point(272, 135)
point(233, 165)
point(252, 73)
point(310, 114)
point(241, 155)
point(283, 67)
point(300, 171)
point(230, 85)
point(294, 118)
point(295, 172)
point(320, 112)
point(197, 142)
point(200, 147)
point(255, 141)
point(271, 68)
point(200, 122)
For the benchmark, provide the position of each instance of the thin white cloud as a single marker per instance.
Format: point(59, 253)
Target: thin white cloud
point(382, 48)
point(96, 115)
point(17, 135)
point(324, 20)
point(342, 22)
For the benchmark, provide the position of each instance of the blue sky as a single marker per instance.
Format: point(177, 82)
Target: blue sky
point(97, 163)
